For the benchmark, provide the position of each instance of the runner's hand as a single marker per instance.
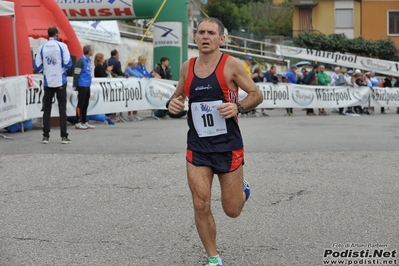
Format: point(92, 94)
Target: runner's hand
point(228, 110)
point(176, 105)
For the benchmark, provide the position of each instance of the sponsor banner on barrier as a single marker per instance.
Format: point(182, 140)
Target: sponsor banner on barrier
point(107, 95)
point(20, 102)
point(385, 97)
point(287, 95)
point(12, 100)
point(335, 58)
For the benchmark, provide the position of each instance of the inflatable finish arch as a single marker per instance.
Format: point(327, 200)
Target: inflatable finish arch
point(170, 28)
point(32, 19)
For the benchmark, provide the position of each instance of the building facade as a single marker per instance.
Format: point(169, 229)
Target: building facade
point(371, 19)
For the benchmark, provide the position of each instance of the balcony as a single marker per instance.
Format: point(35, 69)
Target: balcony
point(305, 3)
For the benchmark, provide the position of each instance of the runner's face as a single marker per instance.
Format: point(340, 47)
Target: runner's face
point(207, 37)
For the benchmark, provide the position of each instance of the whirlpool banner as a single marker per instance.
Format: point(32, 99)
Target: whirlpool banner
point(286, 95)
point(110, 95)
point(107, 95)
point(349, 60)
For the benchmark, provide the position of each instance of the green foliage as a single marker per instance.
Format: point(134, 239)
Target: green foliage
point(384, 49)
point(241, 3)
point(260, 17)
point(227, 11)
point(270, 19)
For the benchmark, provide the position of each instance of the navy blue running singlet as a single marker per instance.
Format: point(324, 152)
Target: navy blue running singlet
point(208, 131)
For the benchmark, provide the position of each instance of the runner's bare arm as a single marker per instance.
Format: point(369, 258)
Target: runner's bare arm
point(244, 82)
point(176, 102)
point(236, 76)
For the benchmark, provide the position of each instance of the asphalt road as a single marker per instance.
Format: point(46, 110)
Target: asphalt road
point(118, 194)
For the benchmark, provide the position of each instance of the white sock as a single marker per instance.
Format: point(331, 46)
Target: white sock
point(214, 260)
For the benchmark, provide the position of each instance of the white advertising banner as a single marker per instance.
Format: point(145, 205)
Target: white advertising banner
point(352, 61)
point(12, 100)
point(94, 9)
point(287, 95)
point(103, 31)
point(108, 95)
point(385, 97)
point(167, 34)
point(20, 102)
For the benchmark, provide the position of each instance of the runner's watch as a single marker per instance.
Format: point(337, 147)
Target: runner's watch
point(240, 108)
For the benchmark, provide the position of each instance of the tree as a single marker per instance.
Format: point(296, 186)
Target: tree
point(260, 17)
point(272, 19)
point(233, 13)
point(383, 49)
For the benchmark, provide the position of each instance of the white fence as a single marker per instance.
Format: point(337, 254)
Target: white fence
point(20, 102)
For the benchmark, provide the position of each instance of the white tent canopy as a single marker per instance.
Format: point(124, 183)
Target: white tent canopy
point(6, 8)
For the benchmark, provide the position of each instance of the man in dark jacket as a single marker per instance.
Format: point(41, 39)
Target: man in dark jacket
point(163, 68)
point(270, 76)
point(311, 79)
point(114, 61)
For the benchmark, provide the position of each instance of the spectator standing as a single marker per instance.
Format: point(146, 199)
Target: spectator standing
point(347, 77)
point(132, 71)
point(220, 150)
point(368, 110)
point(248, 68)
point(359, 81)
point(163, 69)
point(102, 70)
point(270, 76)
point(81, 84)
point(53, 59)
point(397, 86)
point(114, 61)
point(312, 79)
point(99, 70)
point(386, 83)
point(257, 78)
point(302, 78)
point(375, 83)
point(247, 65)
point(335, 82)
point(338, 79)
point(335, 77)
point(141, 68)
point(324, 80)
point(142, 61)
point(291, 77)
point(343, 80)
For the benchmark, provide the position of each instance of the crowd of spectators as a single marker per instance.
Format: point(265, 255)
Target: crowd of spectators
point(318, 76)
point(111, 67)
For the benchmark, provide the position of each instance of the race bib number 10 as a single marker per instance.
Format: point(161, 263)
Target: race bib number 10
point(207, 120)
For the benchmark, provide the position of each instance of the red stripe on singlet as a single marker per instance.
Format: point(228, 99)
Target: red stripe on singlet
point(190, 76)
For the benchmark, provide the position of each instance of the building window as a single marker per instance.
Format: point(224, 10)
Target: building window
point(343, 18)
point(393, 22)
